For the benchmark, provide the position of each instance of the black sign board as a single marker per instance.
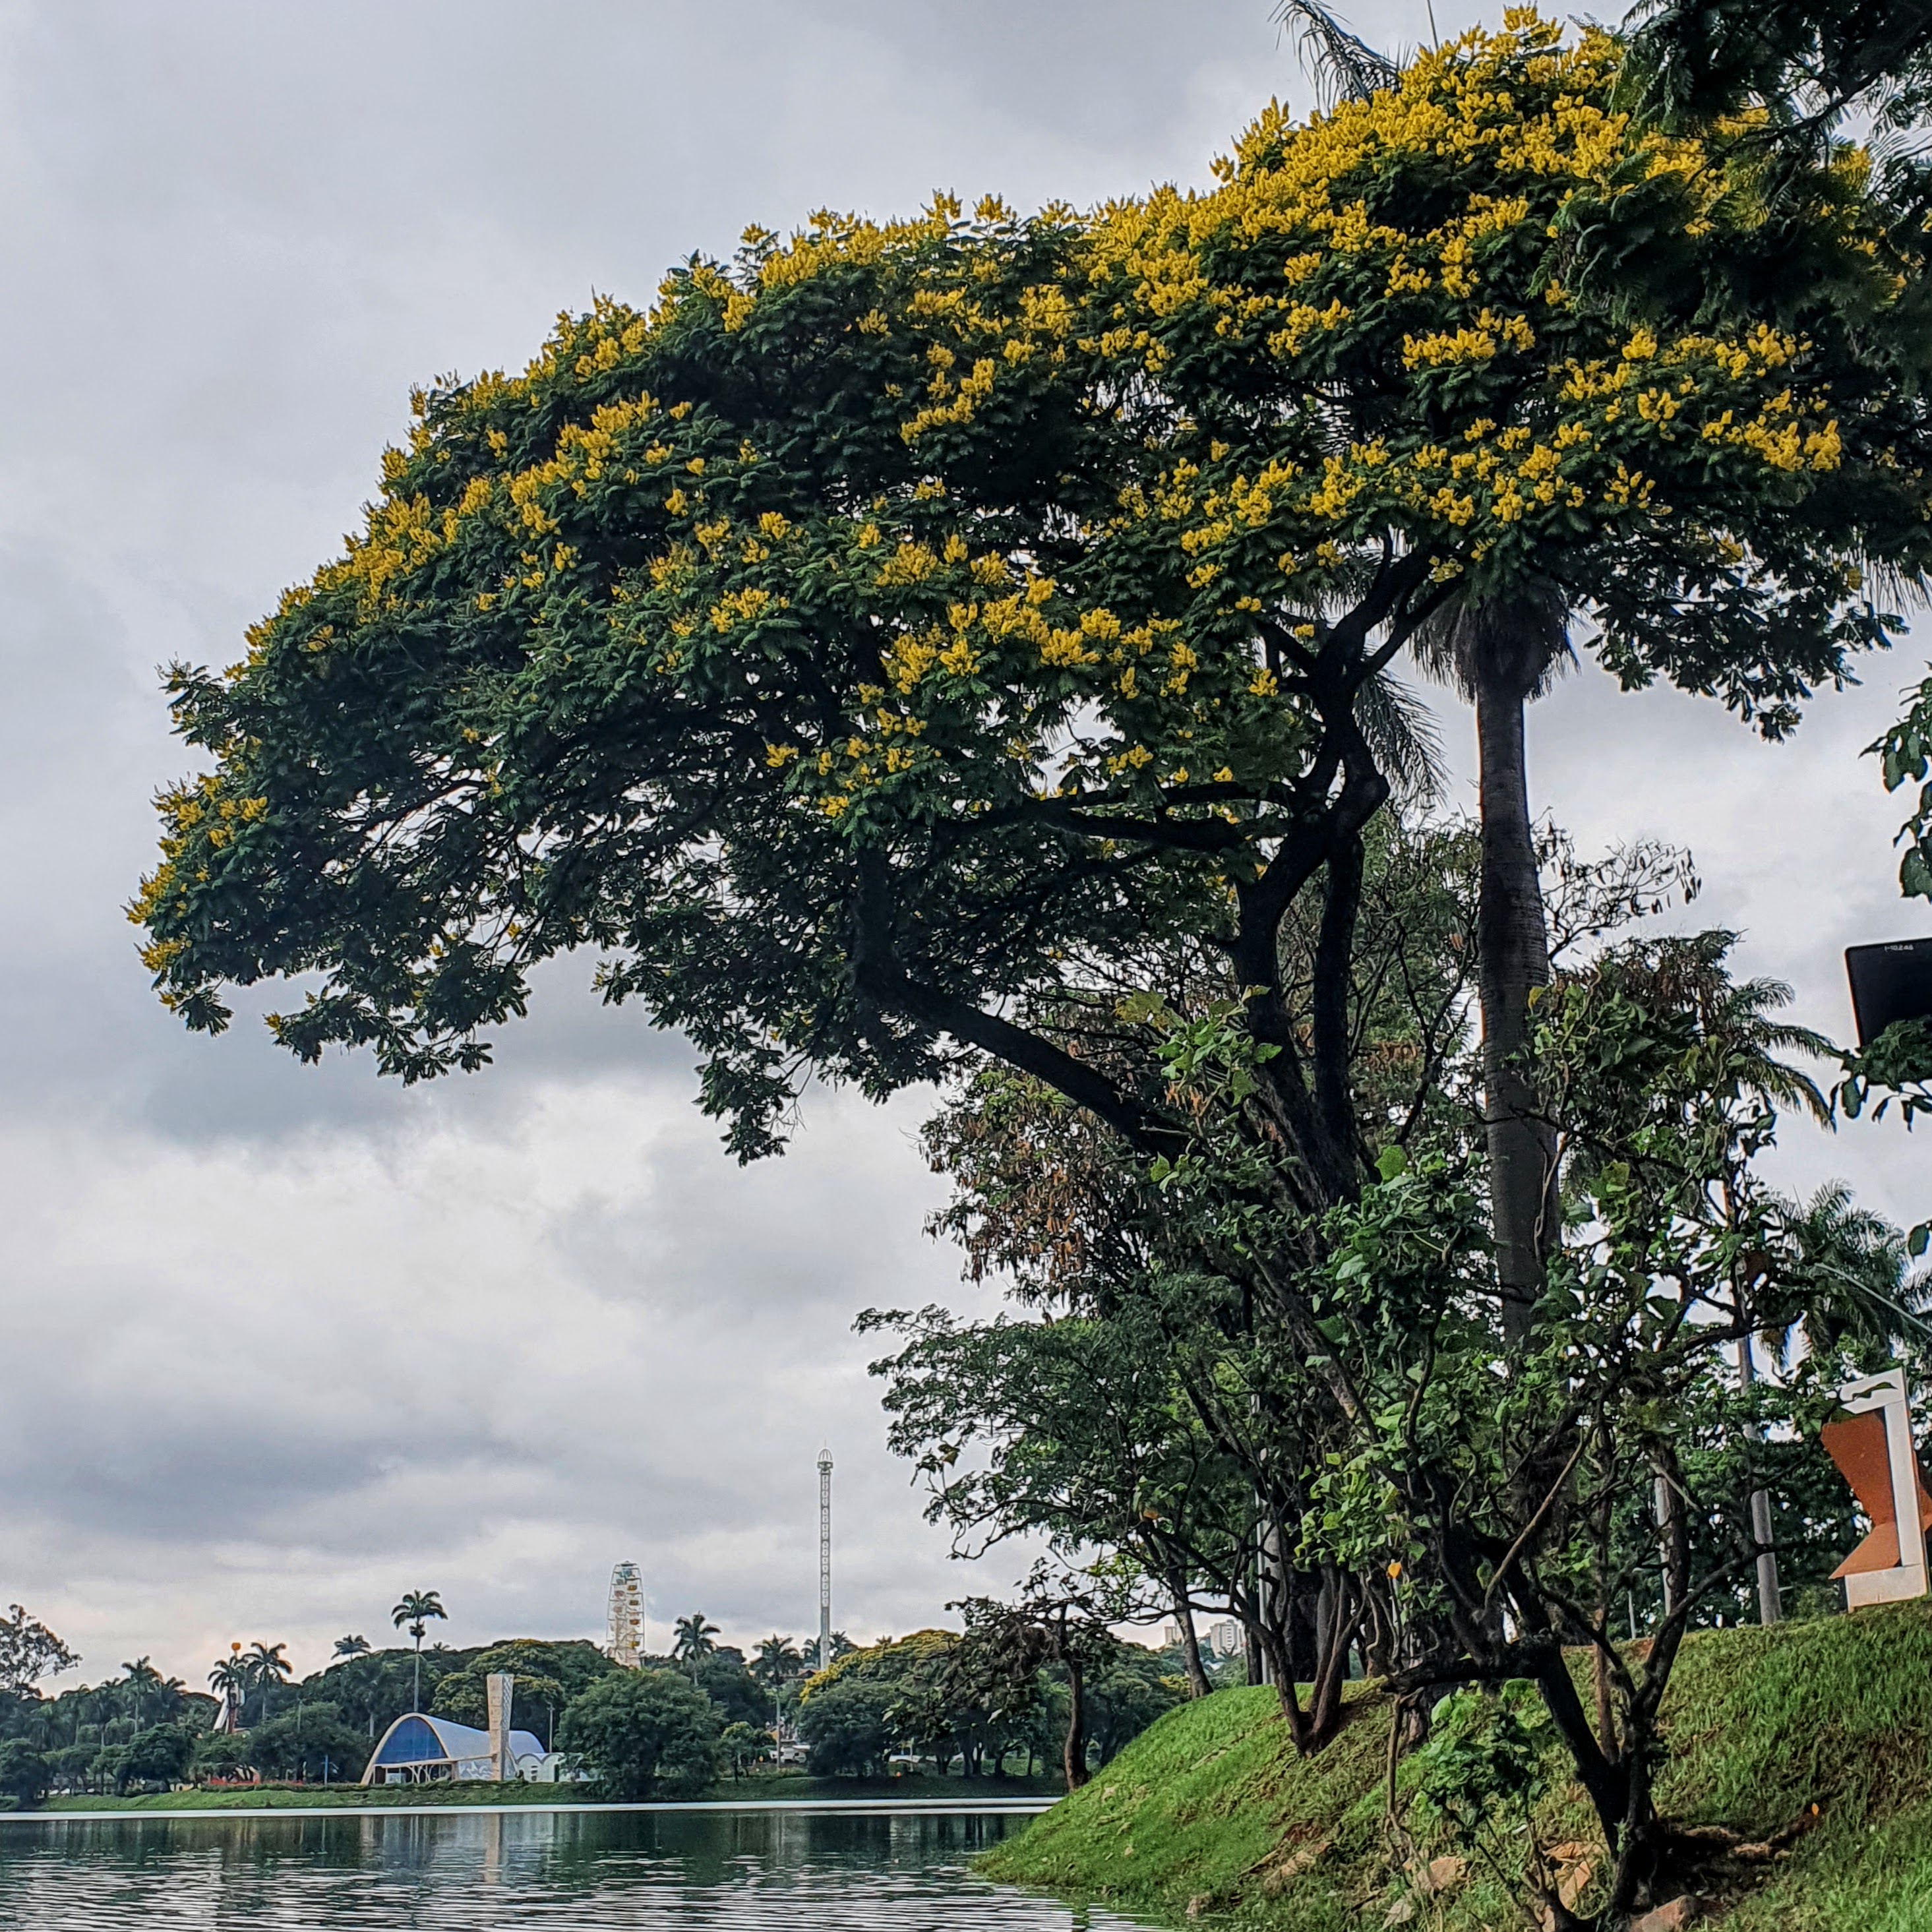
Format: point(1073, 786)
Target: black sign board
point(1889, 982)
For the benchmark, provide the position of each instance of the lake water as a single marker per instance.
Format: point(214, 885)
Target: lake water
point(801, 1870)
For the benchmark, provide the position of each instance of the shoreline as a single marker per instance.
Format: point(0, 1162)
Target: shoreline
point(1016, 1805)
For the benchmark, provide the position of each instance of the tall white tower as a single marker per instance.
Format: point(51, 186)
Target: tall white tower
point(824, 1558)
point(627, 1615)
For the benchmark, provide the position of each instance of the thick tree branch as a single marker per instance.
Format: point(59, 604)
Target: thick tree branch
point(880, 977)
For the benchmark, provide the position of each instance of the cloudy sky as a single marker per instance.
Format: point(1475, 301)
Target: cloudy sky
point(277, 1343)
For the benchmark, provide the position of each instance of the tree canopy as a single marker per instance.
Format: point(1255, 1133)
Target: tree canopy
point(29, 1650)
point(644, 1733)
point(894, 615)
point(1805, 65)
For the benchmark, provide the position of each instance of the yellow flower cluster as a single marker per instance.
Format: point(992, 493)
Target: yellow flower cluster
point(1476, 342)
point(741, 606)
point(1311, 185)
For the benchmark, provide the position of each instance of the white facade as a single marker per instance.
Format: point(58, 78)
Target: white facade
point(421, 1749)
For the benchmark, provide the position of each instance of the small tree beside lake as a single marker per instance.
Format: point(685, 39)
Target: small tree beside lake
point(644, 1733)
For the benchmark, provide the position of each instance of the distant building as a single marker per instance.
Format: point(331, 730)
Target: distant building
point(417, 1750)
point(1225, 1639)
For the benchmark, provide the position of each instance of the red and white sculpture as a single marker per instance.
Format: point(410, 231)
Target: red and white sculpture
point(1872, 1446)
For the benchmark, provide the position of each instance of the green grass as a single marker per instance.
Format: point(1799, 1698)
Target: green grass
point(1210, 1810)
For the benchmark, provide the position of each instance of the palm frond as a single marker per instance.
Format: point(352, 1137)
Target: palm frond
point(1341, 65)
point(1520, 639)
point(1406, 737)
point(1856, 1260)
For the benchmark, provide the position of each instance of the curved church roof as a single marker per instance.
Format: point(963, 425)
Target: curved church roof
point(419, 1739)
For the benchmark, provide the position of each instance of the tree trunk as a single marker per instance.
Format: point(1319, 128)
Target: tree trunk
point(1339, 1610)
point(1512, 957)
point(1074, 1758)
point(1198, 1685)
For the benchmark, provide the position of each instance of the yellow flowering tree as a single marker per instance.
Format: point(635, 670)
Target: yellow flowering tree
point(1563, 372)
point(901, 620)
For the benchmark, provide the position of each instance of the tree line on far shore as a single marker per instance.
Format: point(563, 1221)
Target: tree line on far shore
point(678, 1722)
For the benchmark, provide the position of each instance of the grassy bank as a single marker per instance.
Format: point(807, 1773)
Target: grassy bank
point(792, 1789)
point(1210, 1814)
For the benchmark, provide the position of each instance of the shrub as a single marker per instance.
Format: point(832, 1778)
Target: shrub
point(219, 1754)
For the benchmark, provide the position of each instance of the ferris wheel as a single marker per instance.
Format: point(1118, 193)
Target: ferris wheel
point(627, 1615)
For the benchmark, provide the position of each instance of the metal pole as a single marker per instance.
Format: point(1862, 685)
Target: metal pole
point(824, 1559)
point(1261, 1666)
point(1663, 1540)
point(1770, 1607)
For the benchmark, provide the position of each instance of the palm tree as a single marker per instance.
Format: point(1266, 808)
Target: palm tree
point(142, 1676)
point(415, 1609)
point(822, 1656)
point(777, 1661)
point(693, 1642)
point(1498, 652)
point(229, 1680)
point(1869, 1296)
point(351, 1646)
point(266, 1667)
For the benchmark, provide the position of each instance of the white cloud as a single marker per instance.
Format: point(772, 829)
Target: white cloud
point(263, 1388)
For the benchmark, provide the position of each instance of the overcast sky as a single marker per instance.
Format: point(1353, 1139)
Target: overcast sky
point(277, 1343)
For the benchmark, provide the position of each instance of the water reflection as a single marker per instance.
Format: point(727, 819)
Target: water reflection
point(723, 1871)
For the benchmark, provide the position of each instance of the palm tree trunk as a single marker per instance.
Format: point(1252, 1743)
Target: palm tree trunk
point(1513, 948)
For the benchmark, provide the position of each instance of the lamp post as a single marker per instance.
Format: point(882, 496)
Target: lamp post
point(1770, 1605)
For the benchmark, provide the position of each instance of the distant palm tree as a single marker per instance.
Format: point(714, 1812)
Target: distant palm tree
point(415, 1609)
point(266, 1667)
point(142, 1676)
point(693, 1642)
point(778, 1660)
point(1867, 1295)
point(351, 1646)
point(230, 1679)
point(840, 1645)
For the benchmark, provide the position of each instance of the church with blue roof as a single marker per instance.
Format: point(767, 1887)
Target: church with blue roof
point(420, 1750)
